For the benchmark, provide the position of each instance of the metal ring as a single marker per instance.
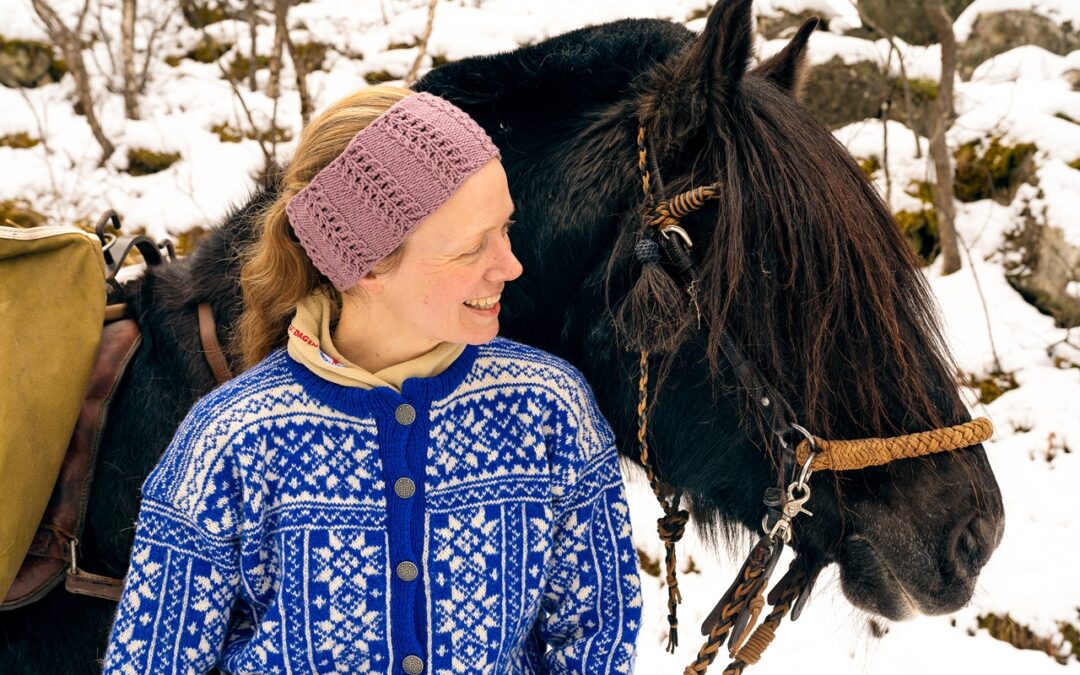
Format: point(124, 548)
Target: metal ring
point(804, 475)
point(679, 231)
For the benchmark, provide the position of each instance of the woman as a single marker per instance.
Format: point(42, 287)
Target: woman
point(389, 487)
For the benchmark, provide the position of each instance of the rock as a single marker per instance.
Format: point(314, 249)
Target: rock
point(1041, 264)
point(783, 24)
point(27, 63)
point(840, 93)
point(907, 20)
point(998, 32)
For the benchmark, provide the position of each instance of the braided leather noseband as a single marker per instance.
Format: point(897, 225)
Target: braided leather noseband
point(737, 611)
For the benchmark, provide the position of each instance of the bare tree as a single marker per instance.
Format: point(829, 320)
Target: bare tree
point(68, 39)
point(281, 29)
point(300, 66)
point(253, 22)
point(942, 117)
point(127, 60)
point(411, 77)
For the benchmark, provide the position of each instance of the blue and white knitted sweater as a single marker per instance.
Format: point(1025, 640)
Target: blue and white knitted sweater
point(474, 523)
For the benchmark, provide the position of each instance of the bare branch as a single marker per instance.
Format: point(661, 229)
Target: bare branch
point(252, 19)
point(893, 48)
point(411, 77)
point(71, 45)
point(300, 66)
point(154, 32)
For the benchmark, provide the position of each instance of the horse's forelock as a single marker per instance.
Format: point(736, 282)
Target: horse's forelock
point(802, 262)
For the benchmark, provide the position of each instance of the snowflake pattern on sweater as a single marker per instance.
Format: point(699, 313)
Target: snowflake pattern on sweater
point(473, 523)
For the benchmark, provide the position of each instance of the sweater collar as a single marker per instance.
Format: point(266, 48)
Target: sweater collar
point(310, 343)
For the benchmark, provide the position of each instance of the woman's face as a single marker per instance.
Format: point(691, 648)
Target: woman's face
point(454, 267)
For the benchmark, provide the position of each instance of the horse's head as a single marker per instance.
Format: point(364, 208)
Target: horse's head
point(801, 262)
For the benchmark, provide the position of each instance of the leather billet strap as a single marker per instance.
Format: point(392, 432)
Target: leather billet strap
point(215, 356)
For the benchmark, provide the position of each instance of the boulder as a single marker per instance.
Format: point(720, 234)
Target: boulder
point(997, 32)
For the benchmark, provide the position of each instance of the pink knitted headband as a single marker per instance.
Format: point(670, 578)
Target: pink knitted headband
point(393, 174)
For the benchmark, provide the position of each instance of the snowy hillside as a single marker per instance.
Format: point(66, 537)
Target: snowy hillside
point(1026, 95)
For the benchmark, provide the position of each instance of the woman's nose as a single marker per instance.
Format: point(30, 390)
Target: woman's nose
point(508, 266)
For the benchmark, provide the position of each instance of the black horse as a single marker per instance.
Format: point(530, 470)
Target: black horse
point(800, 262)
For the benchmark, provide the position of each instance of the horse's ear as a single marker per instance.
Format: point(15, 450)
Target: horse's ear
point(787, 68)
point(718, 58)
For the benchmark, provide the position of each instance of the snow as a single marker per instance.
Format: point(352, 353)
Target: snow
point(1019, 96)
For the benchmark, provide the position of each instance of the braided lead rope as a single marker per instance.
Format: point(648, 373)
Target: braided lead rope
point(782, 598)
point(749, 587)
point(672, 524)
point(859, 454)
point(642, 164)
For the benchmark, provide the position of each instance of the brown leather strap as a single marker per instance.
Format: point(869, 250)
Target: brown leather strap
point(49, 557)
point(94, 585)
point(116, 312)
point(211, 347)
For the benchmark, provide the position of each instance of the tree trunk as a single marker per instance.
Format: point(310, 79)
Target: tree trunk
point(939, 148)
point(281, 13)
point(252, 24)
point(300, 66)
point(71, 46)
point(127, 60)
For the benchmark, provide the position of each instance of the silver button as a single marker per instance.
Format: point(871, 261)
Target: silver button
point(404, 487)
point(406, 571)
point(412, 664)
point(405, 414)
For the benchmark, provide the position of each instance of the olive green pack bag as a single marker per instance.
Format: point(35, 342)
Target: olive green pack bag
point(52, 307)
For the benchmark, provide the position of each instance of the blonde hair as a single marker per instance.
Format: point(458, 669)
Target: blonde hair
point(276, 273)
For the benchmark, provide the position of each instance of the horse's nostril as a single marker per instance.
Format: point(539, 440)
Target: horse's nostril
point(974, 543)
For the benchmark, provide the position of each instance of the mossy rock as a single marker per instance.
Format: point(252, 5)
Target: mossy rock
point(996, 32)
point(784, 24)
point(991, 171)
point(1075, 164)
point(311, 55)
point(188, 241)
point(227, 133)
point(20, 213)
point(1040, 263)
point(438, 60)
point(29, 63)
point(1021, 636)
point(920, 228)
point(907, 20)
point(238, 67)
point(921, 190)
point(403, 45)
point(143, 162)
point(173, 60)
point(379, 76)
point(20, 140)
point(208, 50)
point(840, 93)
point(992, 386)
point(869, 165)
point(201, 15)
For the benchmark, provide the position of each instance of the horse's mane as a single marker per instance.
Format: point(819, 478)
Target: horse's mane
point(804, 265)
point(800, 260)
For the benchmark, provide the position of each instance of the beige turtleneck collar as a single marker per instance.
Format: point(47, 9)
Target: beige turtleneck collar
point(311, 345)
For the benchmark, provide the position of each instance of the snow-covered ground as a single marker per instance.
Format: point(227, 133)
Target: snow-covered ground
point(1033, 576)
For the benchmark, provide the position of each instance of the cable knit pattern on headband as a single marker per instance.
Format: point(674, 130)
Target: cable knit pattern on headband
point(393, 174)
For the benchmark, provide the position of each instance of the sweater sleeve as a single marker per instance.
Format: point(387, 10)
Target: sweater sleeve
point(591, 607)
point(183, 576)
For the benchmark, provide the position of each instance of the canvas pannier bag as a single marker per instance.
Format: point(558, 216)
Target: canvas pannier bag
point(52, 304)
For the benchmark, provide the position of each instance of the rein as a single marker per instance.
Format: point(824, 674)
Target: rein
point(738, 610)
